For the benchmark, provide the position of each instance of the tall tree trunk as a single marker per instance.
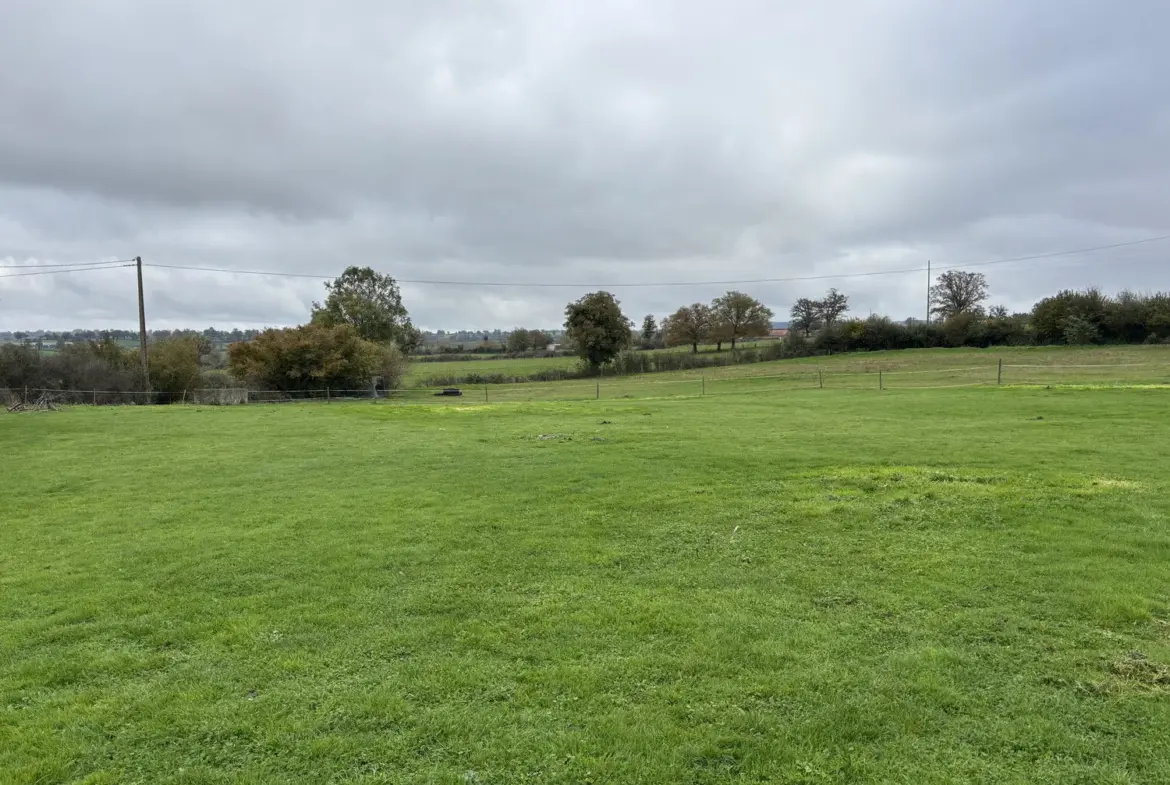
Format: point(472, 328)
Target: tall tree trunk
point(694, 348)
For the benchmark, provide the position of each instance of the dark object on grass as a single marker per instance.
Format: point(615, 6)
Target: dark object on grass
point(450, 391)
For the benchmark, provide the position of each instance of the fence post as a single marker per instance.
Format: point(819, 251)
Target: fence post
point(485, 394)
point(95, 397)
point(881, 386)
point(184, 396)
point(327, 396)
point(703, 381)
point(820, 377)
point(599, 389)
point(999, 373)
point(25, 398)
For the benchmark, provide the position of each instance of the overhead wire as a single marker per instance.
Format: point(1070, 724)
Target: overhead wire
point(67, 264)
point(36, 269)
point(651, 284)
point(91, 269)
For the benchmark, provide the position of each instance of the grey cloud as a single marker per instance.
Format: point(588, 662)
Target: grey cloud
point(592, 142)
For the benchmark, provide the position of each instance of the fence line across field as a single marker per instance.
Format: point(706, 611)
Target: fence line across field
point(941, 370)
point(1093, 365)
point(635, 385)
point(946, 386)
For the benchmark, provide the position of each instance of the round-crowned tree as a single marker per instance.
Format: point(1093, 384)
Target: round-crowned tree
point(597, 328)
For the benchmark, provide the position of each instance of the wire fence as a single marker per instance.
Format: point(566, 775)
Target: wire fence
point(799, 376)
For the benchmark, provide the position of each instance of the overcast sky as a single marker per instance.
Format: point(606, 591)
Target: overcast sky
point(600, 142)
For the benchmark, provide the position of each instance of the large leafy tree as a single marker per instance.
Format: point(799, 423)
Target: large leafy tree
point(371, 303)
point(649, 328)
point(688, 326)
point(522, 340)
point(539, 340)
point(737, 315)
point(597, 328)
point(832, 308)
point(805, 316)
point(519, 340)
point(956, 292)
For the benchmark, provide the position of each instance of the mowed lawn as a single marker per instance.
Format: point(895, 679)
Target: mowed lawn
point(821, 586)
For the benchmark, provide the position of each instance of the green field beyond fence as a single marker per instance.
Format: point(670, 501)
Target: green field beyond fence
point(918, 369)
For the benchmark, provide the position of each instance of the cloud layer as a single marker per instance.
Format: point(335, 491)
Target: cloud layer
point(604, 142)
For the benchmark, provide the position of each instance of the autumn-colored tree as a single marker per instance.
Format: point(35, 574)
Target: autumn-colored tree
point(688, 326)
point(538, 340)
point(736, 315)
point(310, 357)
point(176, 363)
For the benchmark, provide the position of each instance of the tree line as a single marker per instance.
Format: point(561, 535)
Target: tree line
point(110, 369)
point(599, 332)
point(61, 338)
point(960, 317)
point(362, 332)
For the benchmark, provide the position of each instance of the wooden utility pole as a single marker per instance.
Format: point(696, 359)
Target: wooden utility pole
point(142, 328)
point(928, 291)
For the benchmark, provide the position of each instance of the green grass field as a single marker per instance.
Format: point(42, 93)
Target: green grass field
point(420, 372)
point(909, 369)
point(816, 586)
point(516, 366)
point(1038, 364)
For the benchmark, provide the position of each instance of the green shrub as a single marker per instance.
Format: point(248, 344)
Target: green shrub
point(310, 357)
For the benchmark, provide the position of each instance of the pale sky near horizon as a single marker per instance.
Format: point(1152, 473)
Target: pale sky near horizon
point(609, 142)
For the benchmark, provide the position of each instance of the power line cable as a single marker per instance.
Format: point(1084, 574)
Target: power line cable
point(112, 264)
point(68, 264)
point(791, 279)
point(1057, 253)
point(55, 272)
